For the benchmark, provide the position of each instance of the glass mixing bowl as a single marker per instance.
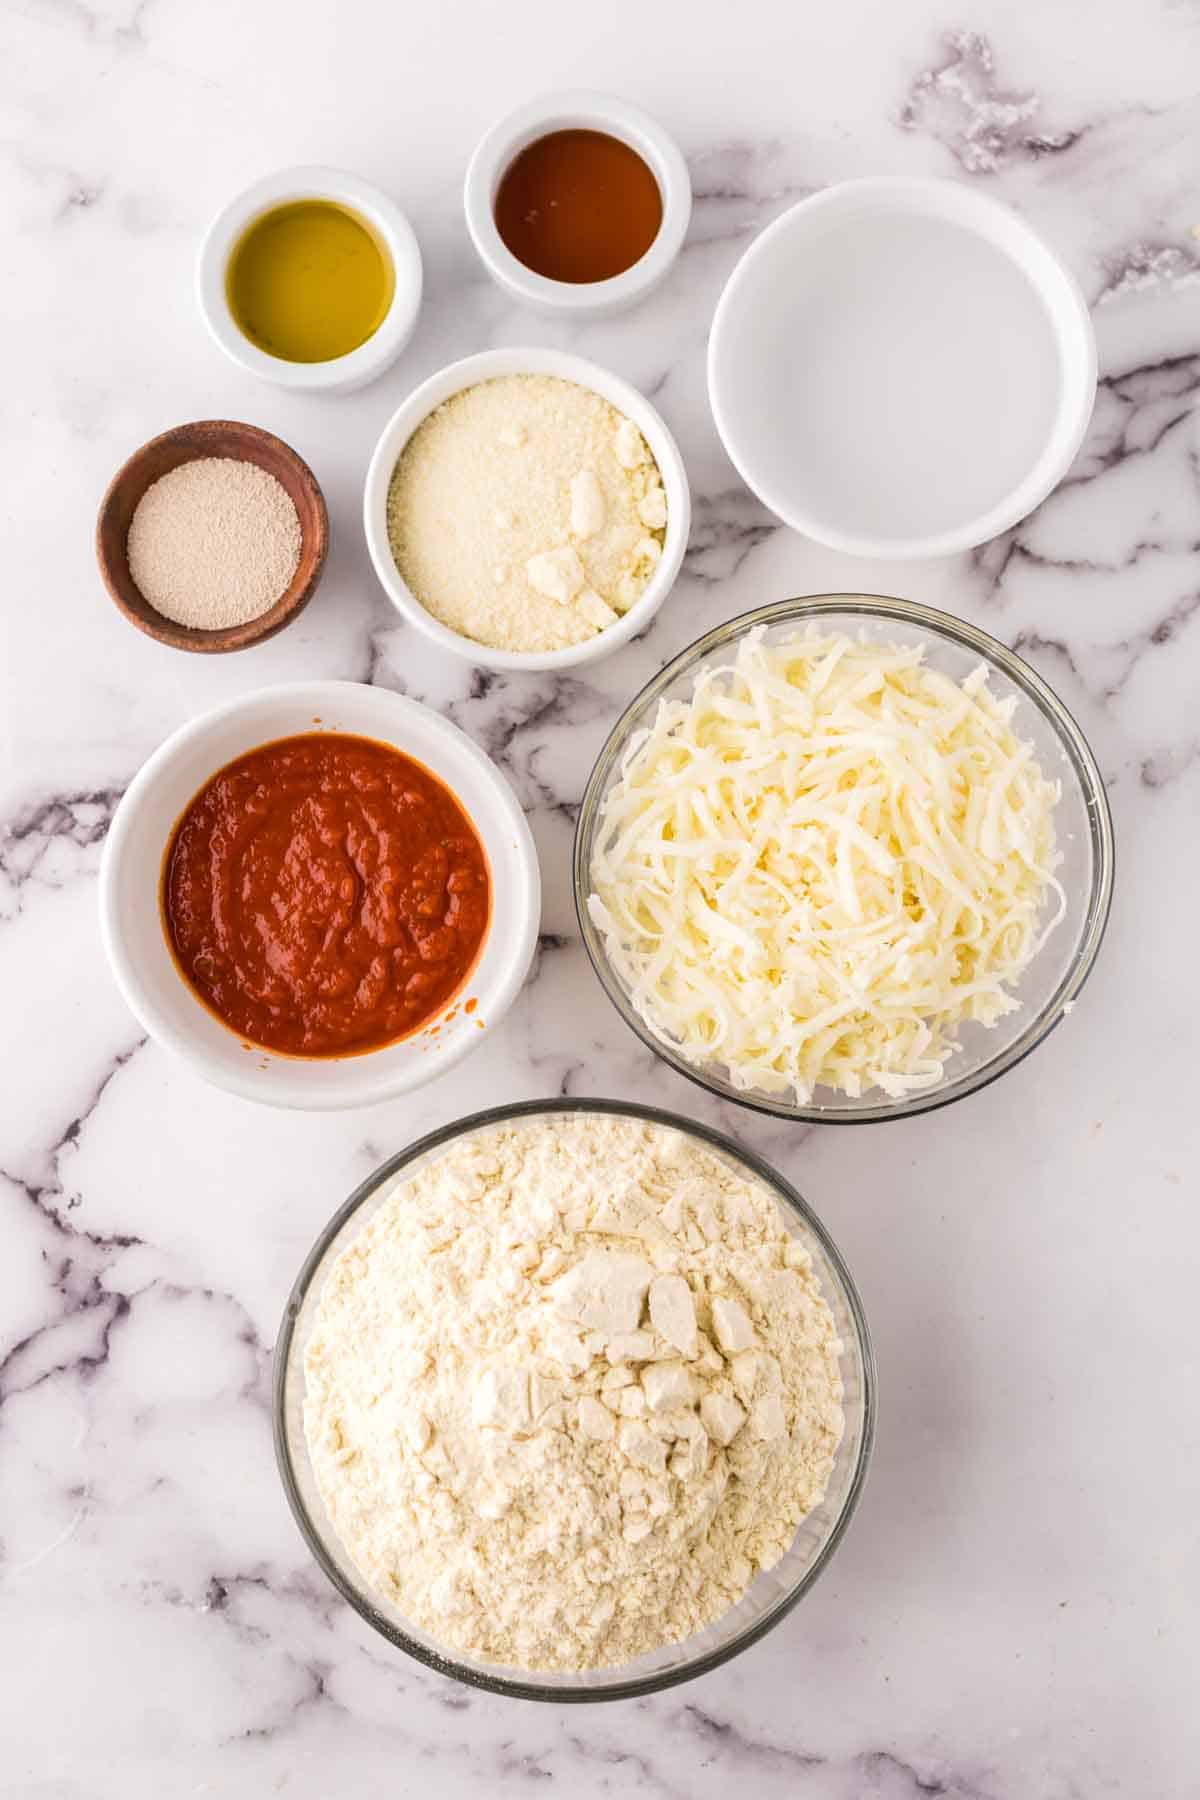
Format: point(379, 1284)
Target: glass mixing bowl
point(1082, 820)
point(770, 1596)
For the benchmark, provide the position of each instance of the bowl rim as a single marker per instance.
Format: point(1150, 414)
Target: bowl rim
point(1056, 288)
point(488, 365)
point(312, 181)
point(580, 109)
point(125, 966)
point(531, 1689)
point(293, 600)
point(912, 613)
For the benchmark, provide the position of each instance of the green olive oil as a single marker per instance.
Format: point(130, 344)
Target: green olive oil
point(309, 281)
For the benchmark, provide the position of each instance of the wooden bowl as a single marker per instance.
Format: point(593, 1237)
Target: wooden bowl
point(188, 443)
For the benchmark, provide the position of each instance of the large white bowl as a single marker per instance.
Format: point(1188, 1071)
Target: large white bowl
point(901, 368)
point(486, 367)
point(131, 919)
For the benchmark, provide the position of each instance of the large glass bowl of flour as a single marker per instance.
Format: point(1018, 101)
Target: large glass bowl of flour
point(772, 1593)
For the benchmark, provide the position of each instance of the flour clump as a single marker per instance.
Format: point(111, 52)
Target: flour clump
point(571, 1387)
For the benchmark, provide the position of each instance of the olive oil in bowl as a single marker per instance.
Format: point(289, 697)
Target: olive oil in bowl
point(309, 281)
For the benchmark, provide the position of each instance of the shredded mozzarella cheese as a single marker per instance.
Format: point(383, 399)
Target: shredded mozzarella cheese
point(816, 869)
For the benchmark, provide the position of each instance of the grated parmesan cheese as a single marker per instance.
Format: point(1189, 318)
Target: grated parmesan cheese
point(821, 865)
point(527, 513)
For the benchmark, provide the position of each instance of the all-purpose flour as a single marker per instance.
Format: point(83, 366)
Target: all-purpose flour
point(571, 1387)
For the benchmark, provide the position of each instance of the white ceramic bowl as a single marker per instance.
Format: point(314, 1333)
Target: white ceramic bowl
point(343, 373)
point(574, 111)
point(901, 368)
point(485, 367)
point(131, 922)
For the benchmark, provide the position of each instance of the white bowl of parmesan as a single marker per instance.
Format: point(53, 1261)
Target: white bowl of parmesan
point(526, 509)
point(845, 859)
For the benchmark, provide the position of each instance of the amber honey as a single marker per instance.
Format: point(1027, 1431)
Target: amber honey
point(578, 206)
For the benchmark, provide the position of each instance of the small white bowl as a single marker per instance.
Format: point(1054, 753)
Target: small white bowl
point(343, 373)
point(131, 921)
point(901, 368)
point(577, 110)
point(485, 367)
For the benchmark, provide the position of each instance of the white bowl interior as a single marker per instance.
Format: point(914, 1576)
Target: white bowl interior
point(1051, 980)
point(137, 945)
point(901, 368)
point(771, 1591)
point(527, 361)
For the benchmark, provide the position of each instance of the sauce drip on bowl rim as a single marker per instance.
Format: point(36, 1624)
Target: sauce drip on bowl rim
point(325, 895)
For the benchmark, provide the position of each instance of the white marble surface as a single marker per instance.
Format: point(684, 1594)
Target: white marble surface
point(1013, 1614)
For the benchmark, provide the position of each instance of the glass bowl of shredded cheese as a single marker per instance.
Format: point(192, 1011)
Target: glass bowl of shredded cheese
point(846, 859)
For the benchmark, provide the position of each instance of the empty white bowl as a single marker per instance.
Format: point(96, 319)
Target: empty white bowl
point(342, 374)
point(131, 919)
point(485, 367)
point(901, 368)
point(576, 110)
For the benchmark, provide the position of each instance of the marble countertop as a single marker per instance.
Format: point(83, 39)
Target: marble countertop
point(1013, 1613)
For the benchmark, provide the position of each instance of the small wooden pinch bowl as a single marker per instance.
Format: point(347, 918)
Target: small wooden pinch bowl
point(188, 443)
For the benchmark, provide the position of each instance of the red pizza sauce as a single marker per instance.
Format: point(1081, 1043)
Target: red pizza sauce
point(325, 895)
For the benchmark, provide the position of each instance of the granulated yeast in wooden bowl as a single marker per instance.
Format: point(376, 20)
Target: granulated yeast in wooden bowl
point(213, 536)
